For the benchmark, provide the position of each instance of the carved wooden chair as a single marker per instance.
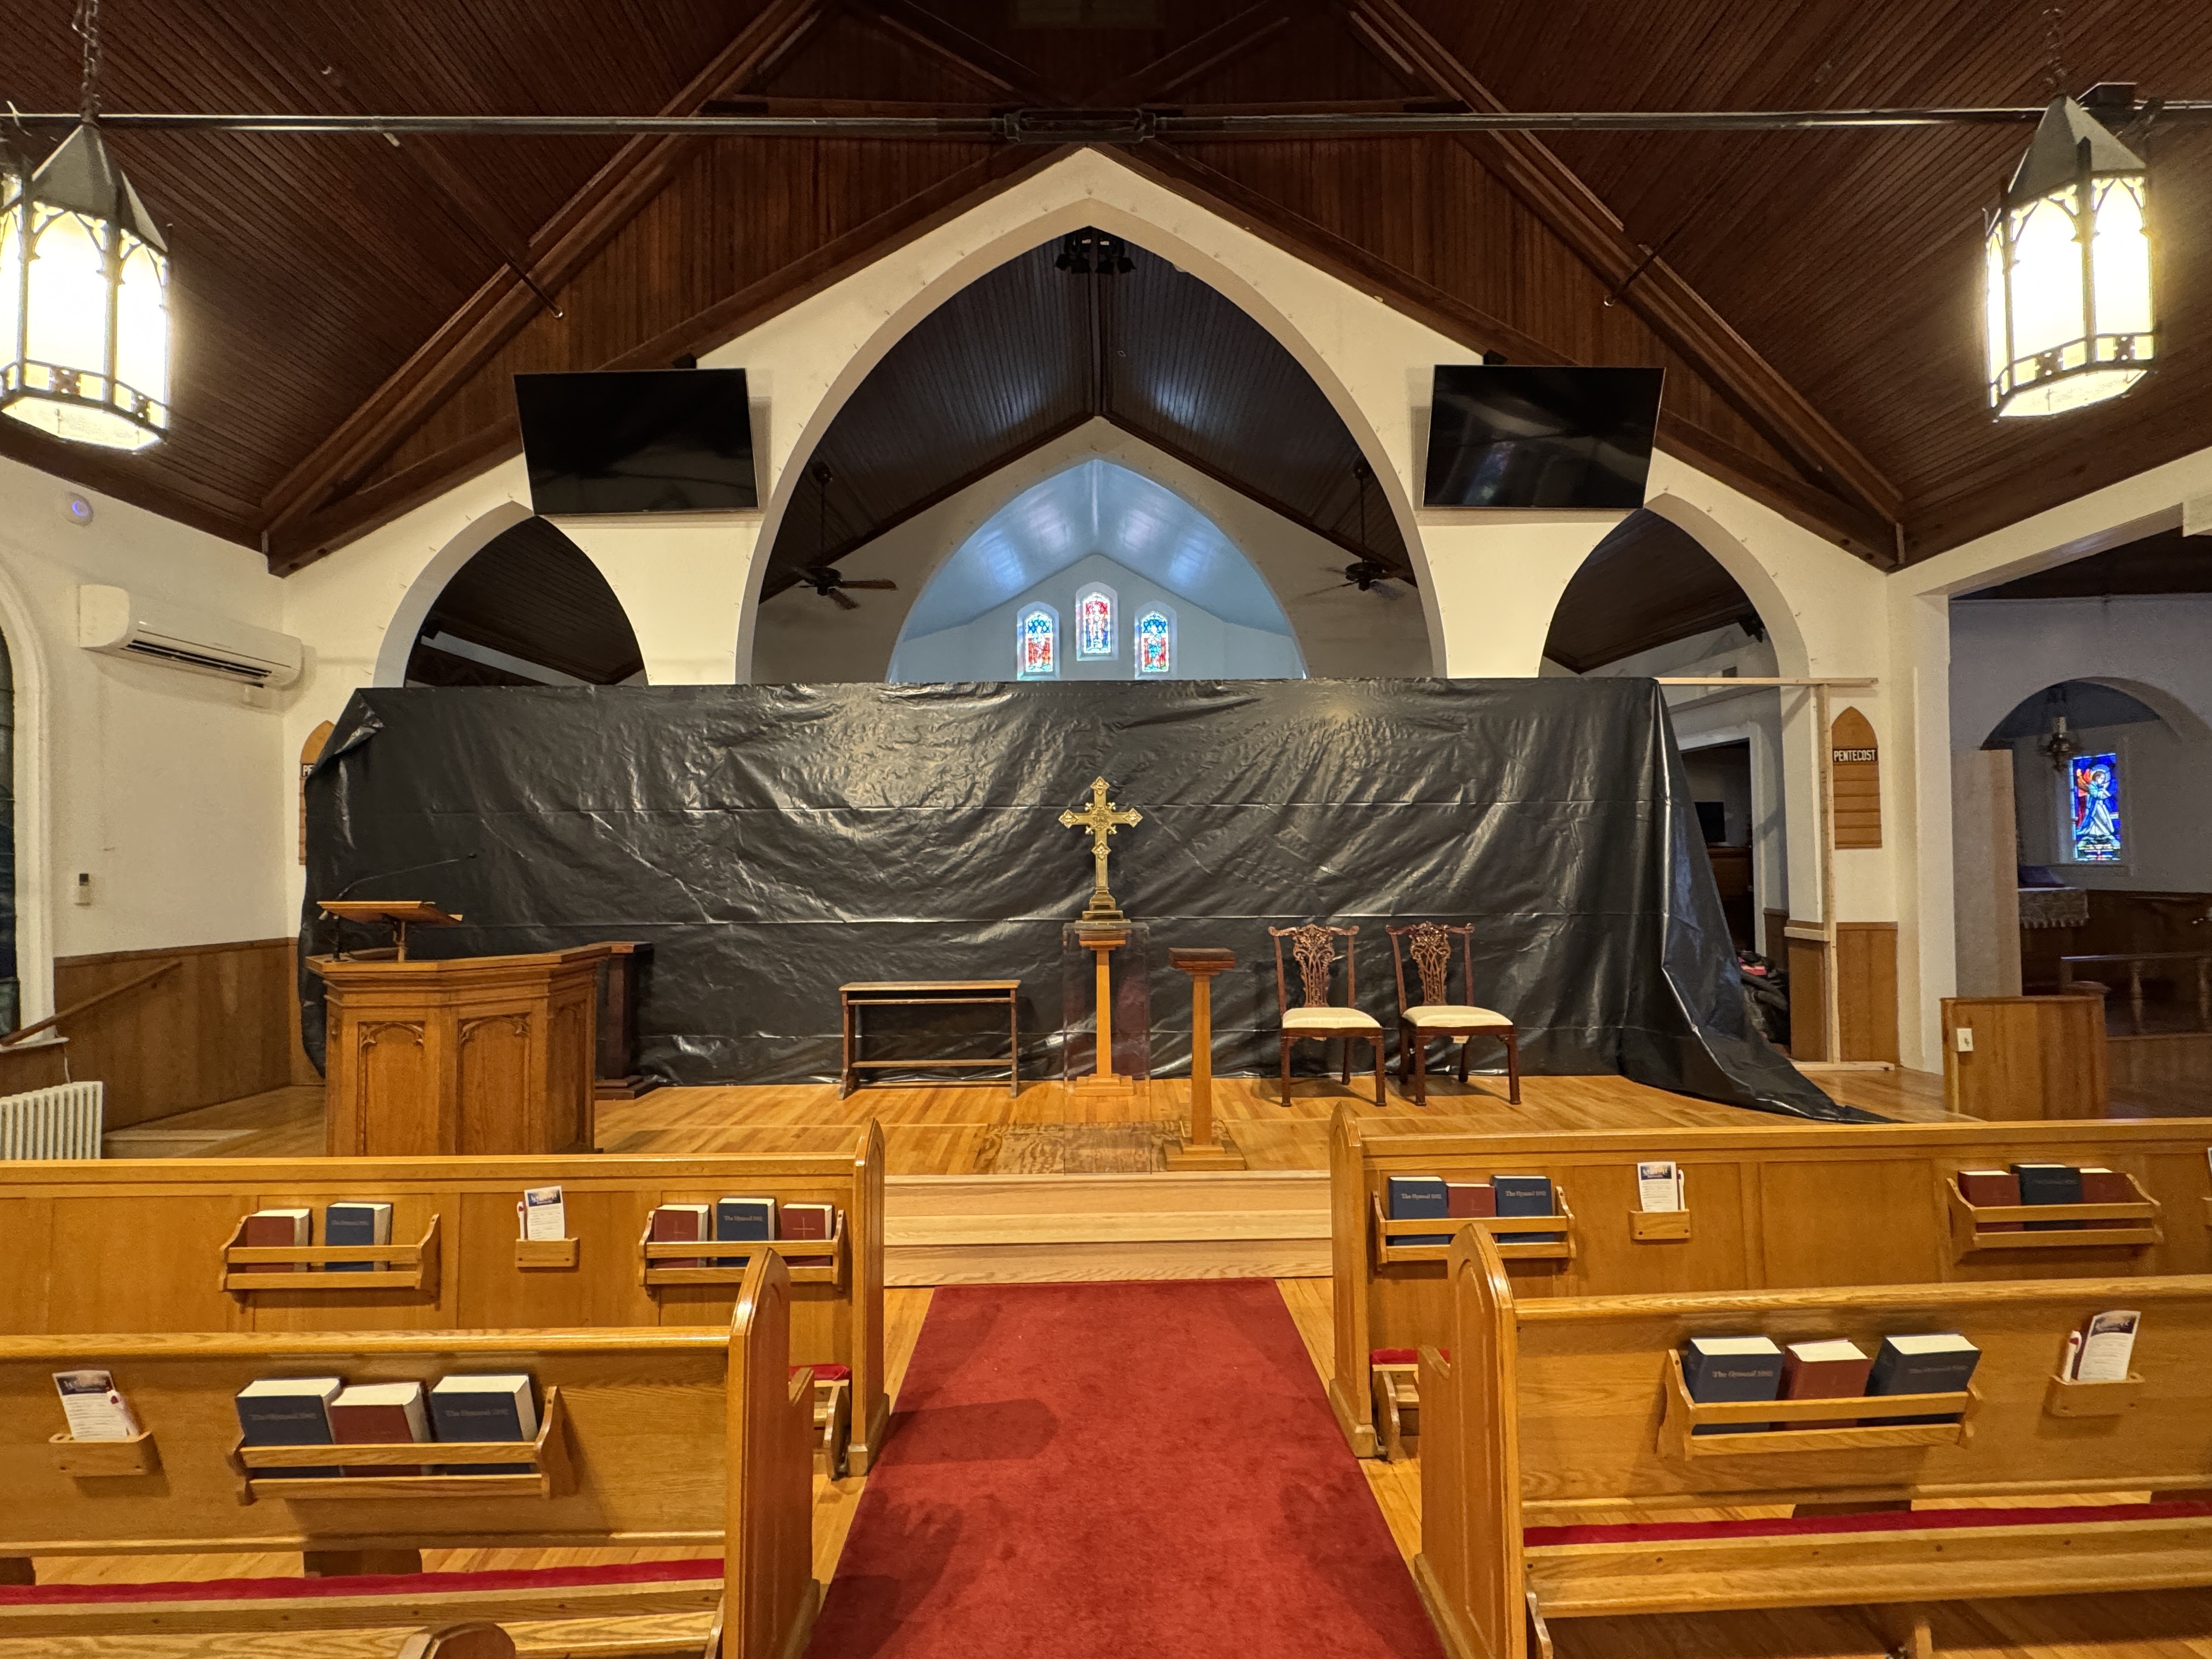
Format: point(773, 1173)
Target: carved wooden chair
point(1313, 948)
point(1434, 1014)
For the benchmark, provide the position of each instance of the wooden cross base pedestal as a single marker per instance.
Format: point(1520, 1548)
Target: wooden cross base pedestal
point(1184, 1153)
point(1198, 1148)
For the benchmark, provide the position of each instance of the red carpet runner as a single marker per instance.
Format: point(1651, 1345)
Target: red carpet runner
point(1133, 1470)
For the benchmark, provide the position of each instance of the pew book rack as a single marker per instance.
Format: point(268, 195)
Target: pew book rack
point(551, 1475)
point(529, 1253)
point(2089, 1226)
point(96, 1460)
point(1683, 1416)
point(810, 1261)
point(393, 1266)
point(1561, 1221)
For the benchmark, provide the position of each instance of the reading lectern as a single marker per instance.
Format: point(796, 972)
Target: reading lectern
point(475, 1055)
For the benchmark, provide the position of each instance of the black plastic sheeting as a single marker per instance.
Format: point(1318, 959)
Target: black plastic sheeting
point(774, 840)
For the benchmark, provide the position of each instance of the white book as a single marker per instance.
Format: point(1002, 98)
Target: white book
point(544, 1214)
point(1658, 1186)
point(95, 1411)
point(2108, 1344)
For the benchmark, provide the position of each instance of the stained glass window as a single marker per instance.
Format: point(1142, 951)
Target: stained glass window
point(1094, 622)
point(1037, 641)
point(1155, 640)
point(2095, 787)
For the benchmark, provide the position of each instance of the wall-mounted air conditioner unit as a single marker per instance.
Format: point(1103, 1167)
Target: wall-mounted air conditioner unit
point(119, 624)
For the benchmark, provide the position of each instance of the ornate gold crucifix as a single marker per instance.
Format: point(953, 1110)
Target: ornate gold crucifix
point(1101, 820)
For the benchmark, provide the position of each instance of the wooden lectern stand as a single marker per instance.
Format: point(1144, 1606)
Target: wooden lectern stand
point(475, 1055)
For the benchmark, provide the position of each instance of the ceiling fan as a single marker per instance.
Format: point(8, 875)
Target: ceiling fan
point(1364, 574)
point(831, 586)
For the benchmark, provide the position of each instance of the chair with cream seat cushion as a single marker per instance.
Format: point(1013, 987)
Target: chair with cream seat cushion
point(1420, 1024)
point(1313, 948)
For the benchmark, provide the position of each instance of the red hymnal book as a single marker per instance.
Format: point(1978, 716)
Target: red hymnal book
point(807, 1221)
point(1469, 1198)
point(1834, 1369)
point(2106, 1186)
point(276, 1229)
point(381, 1414)
point(1993, 1188)
point(679, 1223)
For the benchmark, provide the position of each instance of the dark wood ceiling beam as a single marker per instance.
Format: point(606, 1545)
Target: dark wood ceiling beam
point(504, 304)
point(364, 510)
point(1847, 523)
point(1524, 164)
point(124, 476)
point(953, 46)
point(1224, 43)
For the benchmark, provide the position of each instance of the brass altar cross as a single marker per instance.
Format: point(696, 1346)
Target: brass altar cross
point(1101, 820)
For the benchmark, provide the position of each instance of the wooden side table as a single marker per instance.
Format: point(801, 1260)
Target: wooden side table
point(914, 992)
point(1200, 1150)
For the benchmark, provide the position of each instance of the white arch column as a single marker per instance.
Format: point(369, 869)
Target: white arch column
point(681, 579)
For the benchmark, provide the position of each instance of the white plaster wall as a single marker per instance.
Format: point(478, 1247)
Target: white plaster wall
point(2004, 651)
point(1489, 582)
point(166, 787)
point(1342, 634)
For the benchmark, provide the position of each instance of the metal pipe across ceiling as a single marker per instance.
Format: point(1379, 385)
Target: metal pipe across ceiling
point(1059, 126)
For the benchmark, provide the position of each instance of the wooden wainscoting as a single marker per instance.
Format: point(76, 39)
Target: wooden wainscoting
point(1866, 993)
point(2033, 1057)
point(216, 1029)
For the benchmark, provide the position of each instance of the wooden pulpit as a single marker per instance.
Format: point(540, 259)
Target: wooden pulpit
point(473, 1055)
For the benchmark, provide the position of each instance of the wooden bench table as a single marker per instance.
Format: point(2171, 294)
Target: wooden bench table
point(918, 992)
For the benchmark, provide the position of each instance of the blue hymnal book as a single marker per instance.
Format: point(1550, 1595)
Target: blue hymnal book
point(1420, 1198)
point(355, 1223)
point(484, 1408)
point(1718, 1368)
point(742, 1217)
point(1940, 1362)
point(289, 1411)
point(1523, 1195)
point(2049, 1183)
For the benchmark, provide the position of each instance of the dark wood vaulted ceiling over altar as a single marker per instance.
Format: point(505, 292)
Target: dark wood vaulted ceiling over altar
point(349, 311)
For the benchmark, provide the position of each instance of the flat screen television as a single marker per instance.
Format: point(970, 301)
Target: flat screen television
point(658, 440)
point(1512, 435)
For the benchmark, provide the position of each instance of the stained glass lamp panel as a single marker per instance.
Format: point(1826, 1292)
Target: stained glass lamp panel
point(2095, 834)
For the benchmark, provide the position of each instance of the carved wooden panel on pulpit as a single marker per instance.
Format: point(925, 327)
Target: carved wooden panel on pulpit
point(391, 1060)
point(1856, 763)
point(495, 1079)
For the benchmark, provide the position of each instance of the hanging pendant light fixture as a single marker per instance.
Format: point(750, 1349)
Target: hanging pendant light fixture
point(84, 280)
point(2068, 269)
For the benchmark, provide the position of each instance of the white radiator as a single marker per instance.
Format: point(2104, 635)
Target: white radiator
point(63, 1121)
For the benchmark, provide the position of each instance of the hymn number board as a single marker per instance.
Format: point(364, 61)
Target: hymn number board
point(1855, 763)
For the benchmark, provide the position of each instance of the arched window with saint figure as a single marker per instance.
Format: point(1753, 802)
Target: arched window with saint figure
point(1155, 641)
point(1036, 643)
point(1094, 622)
point(2094, 781)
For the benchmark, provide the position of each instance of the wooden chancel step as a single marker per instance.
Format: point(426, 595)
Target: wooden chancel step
point(1003, 1230)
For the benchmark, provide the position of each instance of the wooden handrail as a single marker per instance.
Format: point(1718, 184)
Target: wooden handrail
point(74, 1009)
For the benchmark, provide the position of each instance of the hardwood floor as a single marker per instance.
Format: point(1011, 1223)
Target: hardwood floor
point(978, 1130)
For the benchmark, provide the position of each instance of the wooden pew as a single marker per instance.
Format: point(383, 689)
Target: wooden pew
point(1558, 1446)
point(675, 1437)
point(1766, 1204)
point(140, 1245)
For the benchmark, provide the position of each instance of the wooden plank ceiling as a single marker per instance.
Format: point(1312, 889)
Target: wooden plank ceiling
point(1646, 585)
point(1028, 352)
point(349, 311)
